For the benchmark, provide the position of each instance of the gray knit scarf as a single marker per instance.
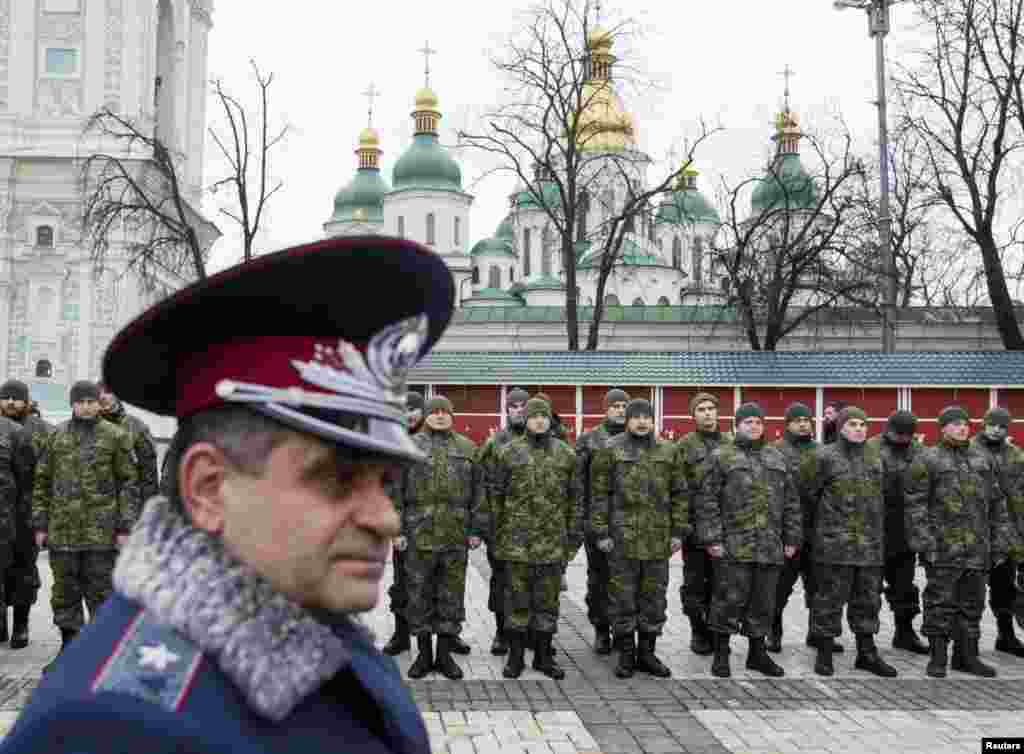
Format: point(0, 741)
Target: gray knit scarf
point(274, 651)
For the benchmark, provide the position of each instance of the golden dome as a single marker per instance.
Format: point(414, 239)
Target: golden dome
point(787, 122)
point(604, 125)
point(426, 99)
point(369, 138)
point(599, 38)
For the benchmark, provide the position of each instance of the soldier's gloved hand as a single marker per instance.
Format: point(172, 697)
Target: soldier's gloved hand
point(474, 542)
point(714, 551)
point(789, 551)
point(677, 545)
point(401, 543)
point(606, 544)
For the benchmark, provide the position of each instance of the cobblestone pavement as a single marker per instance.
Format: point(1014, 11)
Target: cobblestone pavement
point(592, 712)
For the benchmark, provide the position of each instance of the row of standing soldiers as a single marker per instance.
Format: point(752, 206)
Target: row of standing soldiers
point(750, 517)
point(75, 488)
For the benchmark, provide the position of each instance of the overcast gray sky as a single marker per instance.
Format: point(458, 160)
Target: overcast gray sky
point(718, 60)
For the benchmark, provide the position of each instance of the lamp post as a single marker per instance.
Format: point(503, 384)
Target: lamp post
point(878, 27)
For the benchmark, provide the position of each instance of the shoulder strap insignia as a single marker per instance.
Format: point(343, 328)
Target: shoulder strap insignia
point(152, 662)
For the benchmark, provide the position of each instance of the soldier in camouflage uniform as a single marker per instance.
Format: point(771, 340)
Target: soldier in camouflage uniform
point(597, 561)
point(845, 480)
point(398, 592)
point(440, 505)
point(638, 518)
point(21, 579)
point(830, 432)
point(958, 523)
point(17, 466)
point(1009, 463)
point(537, 519)
point(112, 410)
point(698, 573)
point(85, 501)
point(515, 409)
point(748, 517)
point(898, 448)
point(796, 445)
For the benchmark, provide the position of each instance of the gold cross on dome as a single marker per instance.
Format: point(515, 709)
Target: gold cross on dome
point(787, 74)
point(427, 51)
point(371, 94)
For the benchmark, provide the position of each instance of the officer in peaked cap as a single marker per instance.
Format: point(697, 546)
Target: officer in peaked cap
point(230, 628)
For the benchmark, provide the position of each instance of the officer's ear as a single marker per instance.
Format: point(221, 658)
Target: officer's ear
point(202, 473)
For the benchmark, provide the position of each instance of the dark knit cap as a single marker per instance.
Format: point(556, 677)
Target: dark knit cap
point(998, 416)
point(615, 395)
point(413, 401)
point(747, 410)
point(639, 407)
point(439, 402)
point(850, 412)
point(83, 391)
point(797, 410)
point(518, 395)
point(15, 389)
point(953, 414)
point(701, 398)
point(536, 406)
point(837, 405)
point(902, 423)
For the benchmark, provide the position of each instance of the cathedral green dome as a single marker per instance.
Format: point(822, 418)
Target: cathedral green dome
point(493, 246)
point(549, 197)
point(687, 206)
point(426, 165)
point(362, 199)
point(786, 186)
point(505, 231)
point(629, 254)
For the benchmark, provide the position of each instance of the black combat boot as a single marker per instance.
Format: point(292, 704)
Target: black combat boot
point(67, 635)
point(966, 660)
point(19, 631)
point(906, 638)
point(544, 657)
point(515, 663)
point(812, 638)
point(774, 642)
point(3, 624)
point(939, 656)
point(399, 642)
point(823, 662)
point(758, 659)
point(646, 660)
point(459, 647)
point(603, 639)
point(868, 658)
point(700, 636)
point(424, 662)
point(499, 647)
point(626, 644)
point(443, 662)
point(720, 665)
point(1007, 640)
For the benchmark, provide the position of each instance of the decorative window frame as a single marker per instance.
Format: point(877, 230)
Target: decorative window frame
point(45, 74)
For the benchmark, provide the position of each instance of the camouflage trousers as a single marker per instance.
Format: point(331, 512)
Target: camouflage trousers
point(858, 588)
point(532, 591)
point(1002, 587)
point(437, 590)
point(744, 597)
point(496, 587)
point(954, 600)
point(597, 584)
point(698, 579)
point(901, 593)
point(637, 595)
point(801, 566)
point(398, 592)
point(79, 575)
point(21, 576)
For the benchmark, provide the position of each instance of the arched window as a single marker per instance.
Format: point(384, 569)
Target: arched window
point(457, 230)
point(476, 275)
point(630, 223)
point(44, 368)
point(526, 252)
point(650, 227)
point(44, 236)
point(638, 301)
point(698, 261)
point(663, 301)
point(431, 229)
point(494, 277)
point(677, 253)
point(545, 252)
point(724, 282)
point(401, 227)
point(582, 208)
point(511, 274)
point(611, 300)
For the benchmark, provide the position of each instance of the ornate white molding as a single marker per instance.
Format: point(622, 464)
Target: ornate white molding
point(113, 54)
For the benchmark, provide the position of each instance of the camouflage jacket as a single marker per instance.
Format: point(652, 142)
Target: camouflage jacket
point(896, 461)
point(17, 467)
point(439, 499)
point(486, 457)
point(693, 452)
point(1009, 461)
point(796, 453)
point(748, 503)
point(956, 513)
point(533, 500)
point(587, 444)
point(86, 486)
point(845, 482)
point(145, 451)
point(639, 497)
point(39, 431)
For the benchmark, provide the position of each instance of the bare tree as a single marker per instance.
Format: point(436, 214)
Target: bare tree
point(134, 199)
point(961, 95)
point(562, 133)
point(245, 142)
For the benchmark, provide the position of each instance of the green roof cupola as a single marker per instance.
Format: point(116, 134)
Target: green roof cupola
point(687, 204)
point(787, 184)
point(362, 199)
